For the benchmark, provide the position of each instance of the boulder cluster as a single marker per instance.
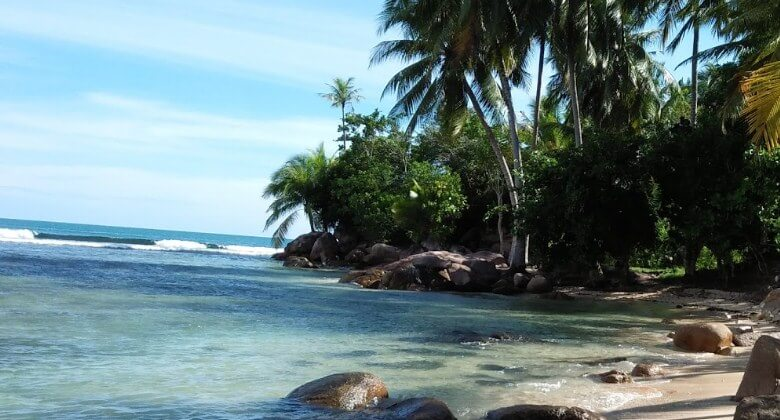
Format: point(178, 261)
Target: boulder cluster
point(366, 393)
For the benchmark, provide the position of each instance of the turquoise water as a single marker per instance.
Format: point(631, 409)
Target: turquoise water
point(137, 330)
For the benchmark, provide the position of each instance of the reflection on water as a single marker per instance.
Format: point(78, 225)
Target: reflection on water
point(103, 332)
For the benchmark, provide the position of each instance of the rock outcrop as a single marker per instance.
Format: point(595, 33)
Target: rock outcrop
point(302, 245)
point(345, 391)
point(758, 408)
point(710, 337)
point(381, 254)
point(539, 284)
point(542, 412)
point(763, 369)
point(325, 249)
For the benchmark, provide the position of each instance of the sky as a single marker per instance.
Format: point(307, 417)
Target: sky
point(172, 114)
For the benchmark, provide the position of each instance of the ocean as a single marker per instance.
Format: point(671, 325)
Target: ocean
point(111, 322)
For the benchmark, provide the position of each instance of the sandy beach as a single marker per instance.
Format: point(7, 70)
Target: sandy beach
point(699, 391)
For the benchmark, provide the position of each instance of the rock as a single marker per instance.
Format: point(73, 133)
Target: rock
point(382, 254)
point(501, 336)
point(493, 257)
point(734, 351)
point(355, 256)
point(647, 370)
point(401, 278)
point(302, 245)
point(279, 256)
point(504, 287)
point(484, 274)
point(770, 306)
point(429, 261)
point(741, 329)
point(556, 296)
point(325, 249)
point(420, 409)
point(369, 279)
point(431, 245)
point(298, 262)
point(346, 391)
point(460, 249)
point(460, 275)
point(765, 407)
point(708, 337)
point(747, 339)
point(763, 369)
point(539, 284)
point(521, 280)
point(615, 377)
point(542, 412)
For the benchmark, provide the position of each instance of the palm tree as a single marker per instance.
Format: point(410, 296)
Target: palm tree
point(342, 92)
point(762, 108)
point(295, 186)
point(447, 71)
point(692, 14)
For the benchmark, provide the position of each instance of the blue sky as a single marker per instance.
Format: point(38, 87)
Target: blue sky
point(173, 113)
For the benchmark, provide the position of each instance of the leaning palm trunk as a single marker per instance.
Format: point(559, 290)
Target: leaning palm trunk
point(505, 172)
point(519, 250)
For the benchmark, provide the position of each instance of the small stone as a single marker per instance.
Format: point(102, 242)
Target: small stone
point(615, 377)
point(647, 370)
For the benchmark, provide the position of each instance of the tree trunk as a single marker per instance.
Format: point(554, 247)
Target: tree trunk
point(343, 127)
point(690, 258)
point(695, 74)
point(574, 101)
point(505, 172)
point(538, 101)
point(500, 223)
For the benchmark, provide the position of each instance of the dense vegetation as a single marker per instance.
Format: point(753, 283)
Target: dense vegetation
point(619, 166)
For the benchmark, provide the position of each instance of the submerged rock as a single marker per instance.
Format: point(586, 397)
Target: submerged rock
point(298, 262)
point(542, 412)
point(369, 279)
point(763, 369)
point(647, 370)
point(419, 409)
point(758, 408)
point(708, 337)
point(345, 391)
point(615, 377)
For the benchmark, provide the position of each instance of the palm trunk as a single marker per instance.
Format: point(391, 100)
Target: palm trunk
point(574, 101)
point(500, 222)
point(507, 174)
point(343, 127)
point(695, 74)
point(518, 253)
point(538, 101)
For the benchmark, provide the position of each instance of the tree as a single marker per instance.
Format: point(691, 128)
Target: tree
point(297, 184)
point(692, 15)
point(342, 92)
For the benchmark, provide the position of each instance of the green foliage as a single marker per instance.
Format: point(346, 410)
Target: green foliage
point(587, 205)
point(433, 202)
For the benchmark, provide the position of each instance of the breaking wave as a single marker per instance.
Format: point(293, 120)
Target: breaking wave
point(140, 244)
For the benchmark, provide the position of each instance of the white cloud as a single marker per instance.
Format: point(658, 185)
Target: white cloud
point(285, 43)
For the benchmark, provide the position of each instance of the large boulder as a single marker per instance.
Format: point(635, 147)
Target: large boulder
point(542, 412)
point(765, 407)
point(382, 254)
point(302, 245)
point(770, 307)
point(345, 391)
point(763, 369)
point(460, 275)
point(325, 249)
point(355, 257)
point(484, 273)
point(298, 262)
point(539, 284)
point(494, 257)
point(430, 261)
point(420, 409)
point(401, 278)
point(712, 337)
